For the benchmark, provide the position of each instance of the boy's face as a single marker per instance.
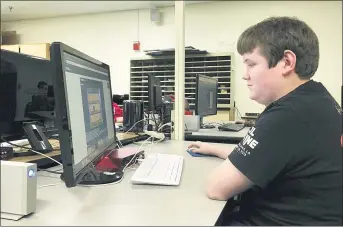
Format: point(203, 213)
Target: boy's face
point(262, 81)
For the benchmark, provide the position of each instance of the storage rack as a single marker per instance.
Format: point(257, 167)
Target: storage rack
point(218, 65)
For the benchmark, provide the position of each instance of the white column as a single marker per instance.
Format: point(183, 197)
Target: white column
point(179, 126)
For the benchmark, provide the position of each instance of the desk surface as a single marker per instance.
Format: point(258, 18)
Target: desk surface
point(33, 158)
point(128, 204)
point(215, 135)
point(39, 159)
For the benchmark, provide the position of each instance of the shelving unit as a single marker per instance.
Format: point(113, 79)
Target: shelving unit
point(218, 65)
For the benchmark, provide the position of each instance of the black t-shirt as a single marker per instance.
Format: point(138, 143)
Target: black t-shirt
point(294, 158)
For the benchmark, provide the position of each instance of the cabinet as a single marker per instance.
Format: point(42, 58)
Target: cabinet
point(14, 48)
point(217, 65)
point(39, 50)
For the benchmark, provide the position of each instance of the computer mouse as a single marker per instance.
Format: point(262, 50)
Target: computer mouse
point(198, 154)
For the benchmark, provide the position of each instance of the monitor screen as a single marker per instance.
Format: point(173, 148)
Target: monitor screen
point(26, 92)
point(89, 103)
point(206, 96)
point(84, 113)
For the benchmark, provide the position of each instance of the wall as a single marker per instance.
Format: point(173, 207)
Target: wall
point(212, 26)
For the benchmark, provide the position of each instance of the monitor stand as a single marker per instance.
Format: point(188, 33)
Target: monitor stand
point(95, 176)
point(205, 126)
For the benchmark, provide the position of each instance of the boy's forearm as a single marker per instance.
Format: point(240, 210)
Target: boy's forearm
point(222, 152)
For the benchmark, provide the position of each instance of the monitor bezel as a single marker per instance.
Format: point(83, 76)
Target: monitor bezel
point(65, 135)
point(197, 94)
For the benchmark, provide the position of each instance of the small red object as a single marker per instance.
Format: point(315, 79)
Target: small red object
point(106, 164)
point(136, 45)
point(116, 159)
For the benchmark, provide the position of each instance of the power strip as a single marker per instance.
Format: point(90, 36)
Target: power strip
point(157, 135)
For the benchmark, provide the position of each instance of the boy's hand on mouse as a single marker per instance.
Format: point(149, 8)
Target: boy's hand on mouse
point(202, 148)
point(210, 149)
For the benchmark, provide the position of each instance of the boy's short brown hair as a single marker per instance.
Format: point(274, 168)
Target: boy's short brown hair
point(275, 35)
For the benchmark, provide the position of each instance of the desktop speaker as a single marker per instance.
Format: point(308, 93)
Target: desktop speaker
point(18, 189)
point(133, 112)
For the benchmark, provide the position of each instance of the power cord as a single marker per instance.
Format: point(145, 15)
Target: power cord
point(146, 119)
point(49, 171)
point(98, 185)
point(48, 185)
point(162, 126)
point(240, 115)
point(120, 145)
point(138, 150)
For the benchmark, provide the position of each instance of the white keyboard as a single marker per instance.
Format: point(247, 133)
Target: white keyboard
point(161, 169)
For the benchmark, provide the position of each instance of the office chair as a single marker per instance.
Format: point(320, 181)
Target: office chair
point(230, 209)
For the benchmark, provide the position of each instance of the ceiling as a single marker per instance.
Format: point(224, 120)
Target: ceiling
point(23, 10)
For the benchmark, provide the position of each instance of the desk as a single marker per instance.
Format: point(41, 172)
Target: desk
point(216, 136)
point(128, 138)
point(128, 204)
point(41, 161)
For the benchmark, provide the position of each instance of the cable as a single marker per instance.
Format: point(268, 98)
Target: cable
point(49, 171)
point(135, 154)
point(154, 119)
point(136, 123)
point(240, 115)
point(97, 185)
point(120, 145)
point(156, 142)
point(48, 185)
point(34, 151)
point(166, 124)
point(132, 165)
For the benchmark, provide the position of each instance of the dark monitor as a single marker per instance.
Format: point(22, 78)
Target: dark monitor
point(206, 96)
point(154, 93)
point(119, 99)
point(26, 96)
point(84, 115)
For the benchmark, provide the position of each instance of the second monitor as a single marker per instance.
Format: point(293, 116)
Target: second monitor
point(206, 96)
point(154, 93)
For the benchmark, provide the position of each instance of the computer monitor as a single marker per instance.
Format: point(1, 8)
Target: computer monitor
point(119, 99)
point(154, 93)
point(84, 115)
point(26, 99)
point(206, 96)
